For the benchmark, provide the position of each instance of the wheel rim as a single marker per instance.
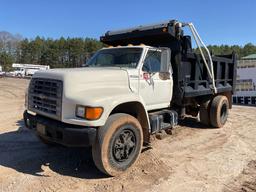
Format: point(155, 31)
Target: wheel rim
point(224, 113)
point(124, 145)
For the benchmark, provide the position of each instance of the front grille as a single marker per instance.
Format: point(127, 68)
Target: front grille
point(45, 96)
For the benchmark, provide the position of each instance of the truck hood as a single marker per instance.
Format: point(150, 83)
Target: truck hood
point(81, 79)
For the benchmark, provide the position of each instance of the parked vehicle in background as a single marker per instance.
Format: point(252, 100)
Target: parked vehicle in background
point(140, 85)
point(17, 72)
point(2, 73)
point(23, 70)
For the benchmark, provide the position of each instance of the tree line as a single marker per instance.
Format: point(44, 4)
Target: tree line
point(241, 51)
point(72, 52)
point(58, 53)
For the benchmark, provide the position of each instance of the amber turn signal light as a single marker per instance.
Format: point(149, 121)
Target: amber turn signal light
point(89, 113)
point(93, 113)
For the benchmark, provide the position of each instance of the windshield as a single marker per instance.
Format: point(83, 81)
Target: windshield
point(123, 57)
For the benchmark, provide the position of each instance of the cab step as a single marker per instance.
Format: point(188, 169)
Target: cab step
point(163, 120)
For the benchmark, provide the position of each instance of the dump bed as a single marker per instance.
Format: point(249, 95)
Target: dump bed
point(189, 72)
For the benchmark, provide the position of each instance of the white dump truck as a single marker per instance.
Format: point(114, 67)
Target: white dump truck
point(141, 84)
point(23, 70)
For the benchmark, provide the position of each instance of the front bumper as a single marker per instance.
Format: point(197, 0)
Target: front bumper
point(59, 132)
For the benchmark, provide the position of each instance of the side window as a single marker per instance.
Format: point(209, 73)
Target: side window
point(152, 61)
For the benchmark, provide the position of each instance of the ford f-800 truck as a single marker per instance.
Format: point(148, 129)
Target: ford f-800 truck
point(140, 84)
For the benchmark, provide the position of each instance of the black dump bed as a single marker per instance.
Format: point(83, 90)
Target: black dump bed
point(189, 72)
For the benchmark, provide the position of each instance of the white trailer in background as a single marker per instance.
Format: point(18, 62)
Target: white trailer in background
point(23, 70)
point(246, 81)
point(1, 71)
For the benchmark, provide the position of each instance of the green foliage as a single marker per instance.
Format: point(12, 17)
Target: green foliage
point(60, 53)
point(241, 51)
point(73, 52)
point(6, 61)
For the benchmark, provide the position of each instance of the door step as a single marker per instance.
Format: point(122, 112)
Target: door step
point(163, 120)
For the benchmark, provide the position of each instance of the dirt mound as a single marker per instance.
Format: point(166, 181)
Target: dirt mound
point(246, 181)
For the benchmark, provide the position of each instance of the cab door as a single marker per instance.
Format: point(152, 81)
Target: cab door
point(156, 79)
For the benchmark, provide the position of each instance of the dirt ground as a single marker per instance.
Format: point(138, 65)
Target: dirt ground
point(194, 158)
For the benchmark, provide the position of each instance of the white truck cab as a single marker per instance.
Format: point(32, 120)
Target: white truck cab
point(113, 76)
point(18, 72)
point(125, 93)
point(148, 69)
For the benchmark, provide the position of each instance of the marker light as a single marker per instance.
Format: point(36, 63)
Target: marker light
point(164, 29)
point(89, 113)
point(93, 113)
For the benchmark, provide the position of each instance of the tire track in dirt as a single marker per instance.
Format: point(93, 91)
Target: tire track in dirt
point(194, 158)
point(245, 182)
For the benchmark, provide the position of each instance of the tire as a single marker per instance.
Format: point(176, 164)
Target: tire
point(204, 113)
point(118, 144)
point(219, 111)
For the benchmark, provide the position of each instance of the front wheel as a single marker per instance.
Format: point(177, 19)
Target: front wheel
point(118, 144)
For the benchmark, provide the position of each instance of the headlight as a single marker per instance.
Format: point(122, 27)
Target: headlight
point(89, 113)
point(80, 111)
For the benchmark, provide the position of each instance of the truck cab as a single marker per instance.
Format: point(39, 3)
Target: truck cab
point(148, 68)
point(139, 85)
point(18, 72)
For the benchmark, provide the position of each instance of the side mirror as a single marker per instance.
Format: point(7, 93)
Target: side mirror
point(166, 68)
point(166, 60)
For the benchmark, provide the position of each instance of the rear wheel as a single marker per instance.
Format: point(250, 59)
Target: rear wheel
point(219, 111)
point(118, 144)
